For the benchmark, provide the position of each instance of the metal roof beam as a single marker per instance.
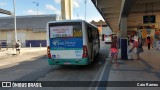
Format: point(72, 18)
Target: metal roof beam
point(128, 5)
point(95, 2)
point(107, 3)
point(148, 1)
point(111, 10)
point(5, 12)
point(111, 15)
point(141, 8)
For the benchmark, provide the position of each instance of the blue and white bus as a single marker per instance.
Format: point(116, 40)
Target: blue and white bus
point(72, 42)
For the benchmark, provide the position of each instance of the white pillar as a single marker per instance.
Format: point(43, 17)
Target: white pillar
point(15, 26)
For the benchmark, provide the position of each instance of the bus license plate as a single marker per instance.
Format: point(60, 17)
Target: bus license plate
point(67, 63)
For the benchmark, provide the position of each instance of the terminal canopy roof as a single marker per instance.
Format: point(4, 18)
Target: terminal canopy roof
point(113, 10)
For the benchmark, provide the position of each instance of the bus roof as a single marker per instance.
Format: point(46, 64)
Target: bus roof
point(59, 21)
point(76, 20)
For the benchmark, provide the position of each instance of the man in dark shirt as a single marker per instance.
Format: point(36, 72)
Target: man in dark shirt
point(148, 42)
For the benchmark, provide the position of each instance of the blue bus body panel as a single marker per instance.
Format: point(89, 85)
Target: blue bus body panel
point(66, 43)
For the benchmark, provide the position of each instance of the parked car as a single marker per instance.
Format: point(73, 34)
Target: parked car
point(108, 39)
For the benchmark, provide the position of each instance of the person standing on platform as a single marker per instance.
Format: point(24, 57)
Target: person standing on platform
point(139, 47)
point(149, 42)
point(135, 44)
point(18, 47)
point(128, 40)
point(131, 39)
point(0, 46)
point(114, 49)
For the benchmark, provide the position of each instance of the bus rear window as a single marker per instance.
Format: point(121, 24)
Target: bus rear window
point(70, 30)
point(77, 32)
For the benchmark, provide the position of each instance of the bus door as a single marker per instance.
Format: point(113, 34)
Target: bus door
point(90, 43)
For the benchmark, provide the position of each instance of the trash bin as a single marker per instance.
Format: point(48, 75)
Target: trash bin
point(124, 45)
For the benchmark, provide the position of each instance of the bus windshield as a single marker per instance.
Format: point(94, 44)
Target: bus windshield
point(65, 29)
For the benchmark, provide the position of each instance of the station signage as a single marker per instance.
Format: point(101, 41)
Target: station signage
point(149, 19)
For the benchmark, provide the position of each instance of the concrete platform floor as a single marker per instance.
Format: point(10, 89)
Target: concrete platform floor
point(135, 71)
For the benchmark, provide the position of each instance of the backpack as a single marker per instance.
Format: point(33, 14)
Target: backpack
point(17, 45)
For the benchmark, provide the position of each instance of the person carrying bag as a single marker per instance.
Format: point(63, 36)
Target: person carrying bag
point(137, 44)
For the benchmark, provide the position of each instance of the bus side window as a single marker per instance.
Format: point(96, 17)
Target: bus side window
point(97, 34)
point(89, 30)
point(94, 34)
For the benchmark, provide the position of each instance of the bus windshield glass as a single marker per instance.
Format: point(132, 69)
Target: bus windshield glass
point(65, 29)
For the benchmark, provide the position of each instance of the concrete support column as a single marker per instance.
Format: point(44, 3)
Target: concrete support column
point(123, 38)
point(123, 28)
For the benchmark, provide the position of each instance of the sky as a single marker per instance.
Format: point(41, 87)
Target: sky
point(27, 7)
